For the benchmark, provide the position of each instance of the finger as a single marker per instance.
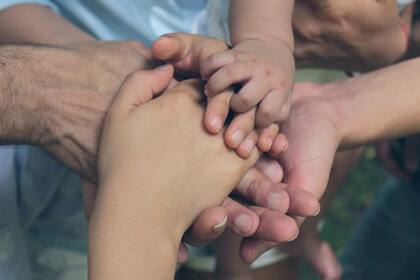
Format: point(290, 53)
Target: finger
point(209, 225)
point(239, 128)
point(249, 95)
point(247, 147)
point(182, 253)
point(252, 248)
point(302, 203)
point(258, 189)
point(275, 226)
point(217, 111)
point(227, 76)
point(241, 220)
point(89, 195)
point(270, 108)
point(140, 87)
point(279, 146)
point(270, 168)
point(267, 137)
point(186, 51)
point(214, 62)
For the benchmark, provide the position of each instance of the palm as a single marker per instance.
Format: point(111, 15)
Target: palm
point(312, 141)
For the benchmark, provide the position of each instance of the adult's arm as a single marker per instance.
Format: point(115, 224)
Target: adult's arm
point(35, 23)
point(381, 105)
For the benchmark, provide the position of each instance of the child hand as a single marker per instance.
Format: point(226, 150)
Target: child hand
point(187, 53)
point(266, 74)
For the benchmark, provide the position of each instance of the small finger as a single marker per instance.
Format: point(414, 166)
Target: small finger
point(217, 111)
point(227, 76)
point(269, 109)
point(247, 146)
point(249, 95)
point(267, 137)
point(239, 128)
point(214, 62)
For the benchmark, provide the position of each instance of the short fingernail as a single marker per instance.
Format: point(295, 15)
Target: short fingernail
point(216, 122)
point(237, 137)
point(275, 201)
point(269, 143)
point(286, 146)
point(249, 145)
point(318, 211)
point(206, 91)
point(243, 224)
point(221, 225)
point(296, 236)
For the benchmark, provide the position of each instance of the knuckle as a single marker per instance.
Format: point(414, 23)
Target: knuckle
point(243, 102)
point(136, 46)
point(267, 113)
point(253, 190)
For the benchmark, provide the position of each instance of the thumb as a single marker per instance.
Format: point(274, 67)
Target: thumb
point(140, 87)
point(185, 51)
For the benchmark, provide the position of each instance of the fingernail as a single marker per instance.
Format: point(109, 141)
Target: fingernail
point(237, 137)
point(216, 122)
point(286, 146)
point(206, 91)
point(275, 201)
point(249, 145)
point(318, 211)
point(243, 224)
point(220, 225)
point(163, 68)
point(296, 236)
point(269, 143)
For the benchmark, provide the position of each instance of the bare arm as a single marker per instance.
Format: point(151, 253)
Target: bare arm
point(32, 23)
point(270, 22)
point(350, 35)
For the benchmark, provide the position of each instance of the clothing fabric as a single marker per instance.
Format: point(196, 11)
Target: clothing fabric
point(386, 244)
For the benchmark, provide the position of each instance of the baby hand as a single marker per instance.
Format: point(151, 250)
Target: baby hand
point(266, 74)
point(188, 53)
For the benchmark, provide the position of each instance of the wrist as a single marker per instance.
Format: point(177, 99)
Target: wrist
point(339, 103)
point(21, 106)
point(272, 41)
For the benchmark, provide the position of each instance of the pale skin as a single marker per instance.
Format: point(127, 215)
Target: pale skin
point(165, 199)
point(124, 58)
point(261, 60)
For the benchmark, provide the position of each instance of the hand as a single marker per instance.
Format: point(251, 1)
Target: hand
point(76, 84)
point(349, 35)
point(313, 140)
point(265, 72)
point(188, 53)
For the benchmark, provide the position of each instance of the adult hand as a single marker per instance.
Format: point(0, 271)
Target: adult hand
point(275, 202)
point(73, 86)
point(313, 140)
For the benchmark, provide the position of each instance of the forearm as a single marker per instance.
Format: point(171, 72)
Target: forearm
point(128, 238)
point(380, 105)
point(32, 23)
point(271, 21)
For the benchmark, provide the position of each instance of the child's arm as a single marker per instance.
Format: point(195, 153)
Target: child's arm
point(261, 62)
point(270, 21)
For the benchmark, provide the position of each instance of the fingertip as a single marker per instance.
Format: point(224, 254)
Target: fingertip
point(165, 48)
point(213, 123)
